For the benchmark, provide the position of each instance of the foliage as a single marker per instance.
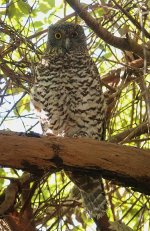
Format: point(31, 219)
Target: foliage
point(126, 79)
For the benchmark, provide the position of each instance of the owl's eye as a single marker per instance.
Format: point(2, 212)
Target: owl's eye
point(74, 34)
point(58, 35)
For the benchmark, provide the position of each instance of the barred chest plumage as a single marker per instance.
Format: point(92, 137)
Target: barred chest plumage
point(68, 95)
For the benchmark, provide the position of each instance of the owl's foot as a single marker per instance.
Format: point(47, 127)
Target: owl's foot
point(80, 134)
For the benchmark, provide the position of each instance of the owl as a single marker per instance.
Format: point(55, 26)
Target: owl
point(67, 94)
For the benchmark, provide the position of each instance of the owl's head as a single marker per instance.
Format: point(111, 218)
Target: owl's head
point(66, 37)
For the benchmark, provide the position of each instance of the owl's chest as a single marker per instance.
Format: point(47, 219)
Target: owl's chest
point(64, 81)
point(65, 84)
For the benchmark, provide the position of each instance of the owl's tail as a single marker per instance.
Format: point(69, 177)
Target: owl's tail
point(94, 200)
point(93, 196)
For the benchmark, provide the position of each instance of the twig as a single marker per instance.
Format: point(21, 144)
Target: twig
point(121, 43)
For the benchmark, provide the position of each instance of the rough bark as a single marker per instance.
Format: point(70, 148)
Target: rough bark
point(126, 165)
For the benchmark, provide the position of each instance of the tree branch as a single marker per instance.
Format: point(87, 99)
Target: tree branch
point(128, 165)
point(130, 133)
point(132, 19)
point(121, 43)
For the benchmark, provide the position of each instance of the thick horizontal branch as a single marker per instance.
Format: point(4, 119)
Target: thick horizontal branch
point(128, 165)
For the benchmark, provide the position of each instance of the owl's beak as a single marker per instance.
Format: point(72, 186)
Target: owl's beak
point(67, 43)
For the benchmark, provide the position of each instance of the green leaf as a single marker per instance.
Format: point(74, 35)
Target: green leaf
point(38, 24)
point(12, 10)
point(108, 55)
point(101, 11)
point(2, 12)
point(22, 105)
point(18, 9)
point(14, 90)
point(51, 3)
point(2, 2)
point(23, 6)
point(2, 173)
point(44, 7)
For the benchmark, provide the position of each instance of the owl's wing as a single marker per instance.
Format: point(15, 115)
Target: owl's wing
point(96, 75)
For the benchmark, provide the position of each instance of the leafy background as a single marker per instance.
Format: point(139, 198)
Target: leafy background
point(126, 80)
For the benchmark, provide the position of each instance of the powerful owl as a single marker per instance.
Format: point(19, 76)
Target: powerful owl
point(68, 95)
